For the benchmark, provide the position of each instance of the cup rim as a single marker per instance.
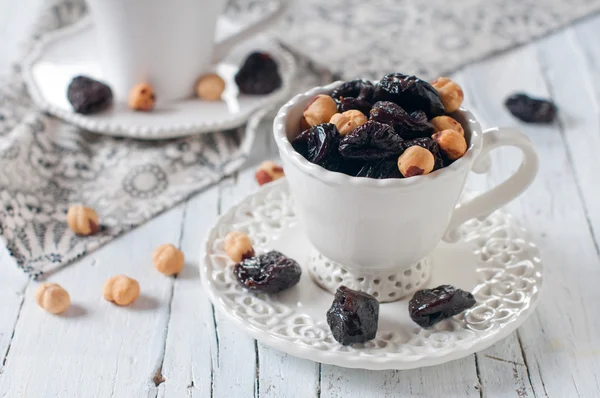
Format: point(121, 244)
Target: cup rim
point(287, 150)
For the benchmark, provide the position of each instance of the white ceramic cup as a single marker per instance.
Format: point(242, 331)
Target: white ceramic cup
point(370, 225)
point(167, 43)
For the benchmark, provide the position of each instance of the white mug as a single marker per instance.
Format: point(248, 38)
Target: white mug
point(166, 43)
point(369, 225)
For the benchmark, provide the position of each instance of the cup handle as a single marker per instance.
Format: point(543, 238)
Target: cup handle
point(487, 202)
point(224, 46)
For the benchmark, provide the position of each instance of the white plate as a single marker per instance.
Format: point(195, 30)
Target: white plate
point(65, 53)
point(494, 259)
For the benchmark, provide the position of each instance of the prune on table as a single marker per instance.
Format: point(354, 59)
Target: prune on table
point(430, 306)
point(258, 75)
point(348, 104)
point(359, 89)
point(411, 93)
point(531, 110)
point(432, 146)
point(406, 125)
point(319, 145)
point(353, 316)
point(271, 272)
point(371, 141)
point(387, 168)
point(87, 95)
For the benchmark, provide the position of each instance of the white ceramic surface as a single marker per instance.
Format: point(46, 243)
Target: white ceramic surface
point(68, 52)
point(371, 225)
point(167, 45)
point(493, 258)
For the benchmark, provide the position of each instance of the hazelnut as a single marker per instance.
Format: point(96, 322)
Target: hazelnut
point(268, 171)
point(142, 97)
point(238, 246)
point(347, 121)
point(53, 298)
point(304, 124)
point(168, 259)
point(210, 87)
point(320, 109)
point(415, 161)
point(121, 290)
point(453, 144)
point(83, 220)
point(441, 123)
point(450, 93)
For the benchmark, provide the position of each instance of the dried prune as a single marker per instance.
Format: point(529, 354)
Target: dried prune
point(531, 110)
point(271, 272)
point(406, 125)
point(380, 170)
point(87, 95)
point(258, 75)
point(319, 145)
point(353, 316)
point(371, 141)
point(432, 146)
point(359, 89)
point(429, 306)
point(410, 92)
point(348, 104)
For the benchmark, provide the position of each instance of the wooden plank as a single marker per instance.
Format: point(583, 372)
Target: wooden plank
point(97, 348)
point(558, 342)
point(191, 346)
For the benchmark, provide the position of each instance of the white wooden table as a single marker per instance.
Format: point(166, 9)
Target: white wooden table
point(171, 343)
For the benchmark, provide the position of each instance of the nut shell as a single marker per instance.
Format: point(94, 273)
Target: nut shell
point(121, 290)
point(238, 246)
point(415, 160)
point(168, 259)
point(268, 171)
point(347, 121)
point(53, 298)
point(451, 93)
point(453, 144)
point(320, 109)
point(142, 97)
point(210, 87)
point(83, 220)
point(442, 123)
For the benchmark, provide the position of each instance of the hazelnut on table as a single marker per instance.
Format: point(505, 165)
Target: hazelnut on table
point(347, 121)
point(453, 144)
point(210, 87)
point(238, 246)
point(320, 109)
point(121, 290)
point(441, 123)
point(83, 220)
point(450, 93)
point(142, 97)
point(53, 298)
point(415, 161)
point(268, 171)
point(168, 259)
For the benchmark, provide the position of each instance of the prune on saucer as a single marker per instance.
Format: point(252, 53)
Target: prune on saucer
point(349, 103)
point(258, 75)
point(430, 306)
point(353, 316)
point(87, 95)
point(359, 89)
point(271, 272)
point(531, 110)
point(432, 146)
point(411, 93)
point(370, 142)
point(379, 170)
point(406, 125)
